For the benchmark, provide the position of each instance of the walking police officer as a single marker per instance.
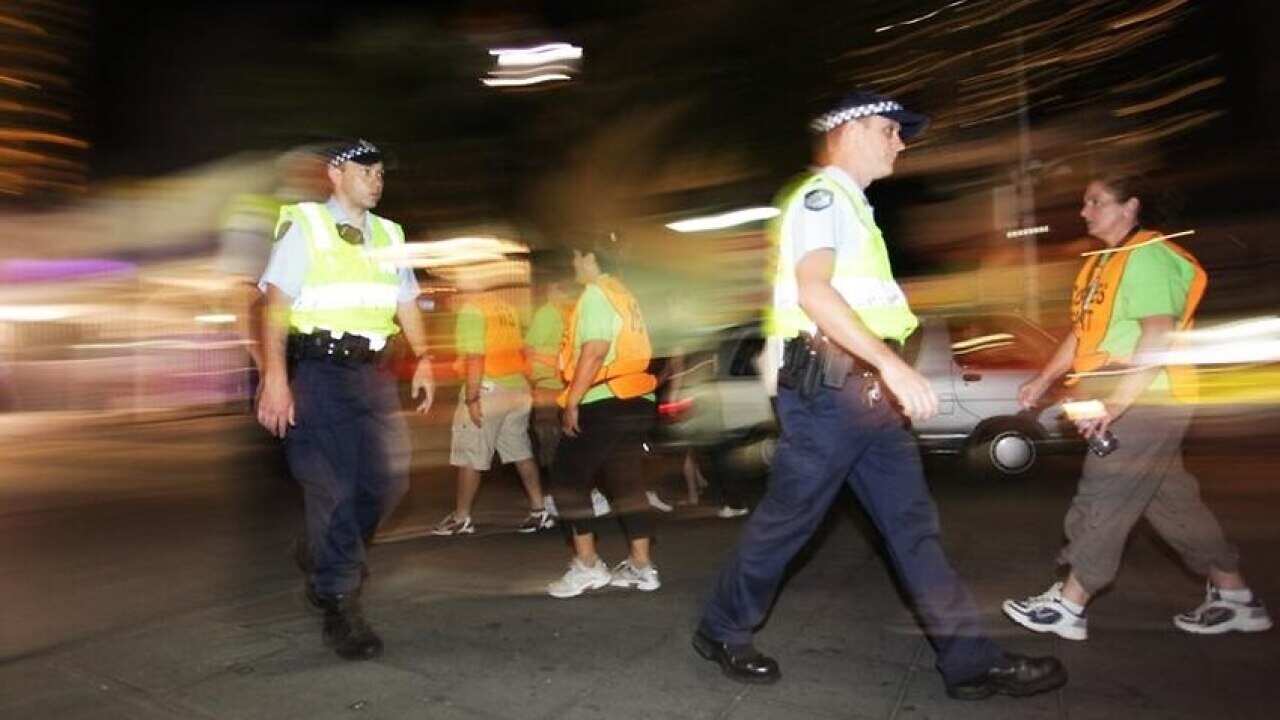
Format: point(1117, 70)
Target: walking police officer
point(334, 296)
point(843, 320)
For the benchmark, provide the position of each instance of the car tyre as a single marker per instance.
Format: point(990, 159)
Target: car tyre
point(1002, 449)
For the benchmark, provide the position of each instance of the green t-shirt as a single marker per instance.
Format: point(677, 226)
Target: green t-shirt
point(469, 340)
point(1156, 281)
point(597, 320)
point(544, 334)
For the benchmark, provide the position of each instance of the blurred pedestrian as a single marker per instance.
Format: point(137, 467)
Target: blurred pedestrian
point(844, 319)
point(247, 234)
point(607, 408)
point(334, 298)
point(1126, 306)
point(493, 409)
point(542, 348)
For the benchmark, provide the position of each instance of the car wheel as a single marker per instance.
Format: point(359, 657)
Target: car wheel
point(1002, 449)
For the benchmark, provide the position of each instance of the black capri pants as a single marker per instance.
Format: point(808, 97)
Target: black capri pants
point(607, 454)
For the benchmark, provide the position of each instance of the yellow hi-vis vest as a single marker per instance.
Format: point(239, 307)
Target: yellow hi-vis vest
point(346, 289)
point(864, 279)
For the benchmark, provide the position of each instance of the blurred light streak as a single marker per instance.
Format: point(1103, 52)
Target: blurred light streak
point(216, 319)
point(22, 25)
point(1172, 97)
point(971, 343)
point(1177, 70)
point(1238, 330)
point(42, 313)
point(1176, 125)
point(1147, 14)
point(521, 82)
point(20, 135)
point(724, 220)
point(1023, 232)
point(924, 17)
point(525, 72)
point(539, 55)
point(1127, 248)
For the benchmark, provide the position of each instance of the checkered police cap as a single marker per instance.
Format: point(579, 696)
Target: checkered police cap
point(865, 104)
point(361, 151)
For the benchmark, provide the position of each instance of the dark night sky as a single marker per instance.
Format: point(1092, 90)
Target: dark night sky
point(175, 84)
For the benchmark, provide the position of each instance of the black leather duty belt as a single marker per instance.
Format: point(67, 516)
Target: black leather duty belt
point(321, 345)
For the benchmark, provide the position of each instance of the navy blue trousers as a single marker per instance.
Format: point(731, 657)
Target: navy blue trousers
point(350, 452)
point(830, 440)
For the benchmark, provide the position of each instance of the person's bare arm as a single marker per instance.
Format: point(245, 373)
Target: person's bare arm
point(1031, 390)
point(415, 332)
point(275, 399)
point(1153, 341)
point(590, 359)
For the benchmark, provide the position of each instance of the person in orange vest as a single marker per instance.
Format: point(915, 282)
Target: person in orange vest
point(542, 349)
point(493, 410)
point(1127, 304)
point(607, 407)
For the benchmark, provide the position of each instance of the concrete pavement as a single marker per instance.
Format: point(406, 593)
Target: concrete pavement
point(470, 633)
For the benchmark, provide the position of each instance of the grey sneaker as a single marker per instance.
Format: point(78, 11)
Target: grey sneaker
point(626, 575)
point(453, 525)
point(1046, 614)
point(1218, 615)
point(580, 578)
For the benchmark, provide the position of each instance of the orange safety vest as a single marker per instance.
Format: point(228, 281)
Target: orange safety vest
point(503, 346)
point(1093, 300)
point(627, 375)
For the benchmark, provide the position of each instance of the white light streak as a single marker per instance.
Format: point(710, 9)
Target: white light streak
point(540, 55)
point(521, 82)
point(724, 220)
point(1023, 232)
point(924, 17)
point(216, 319)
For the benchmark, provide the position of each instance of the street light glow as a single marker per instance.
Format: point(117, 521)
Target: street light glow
point(724, 220)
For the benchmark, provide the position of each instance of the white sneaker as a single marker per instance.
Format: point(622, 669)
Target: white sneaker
point(599, 503)
point(452, 525)
point(728, 513)
point(656, 502)
point(536, 520)
point(579, 578)
point(549, 504)
point(626, 575)
point(1046, 614)
point(1219, 615)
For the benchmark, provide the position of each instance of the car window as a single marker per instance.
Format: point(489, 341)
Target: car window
point(743, 362)
point(996, 343)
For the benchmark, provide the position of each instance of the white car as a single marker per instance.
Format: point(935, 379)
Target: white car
point(975, 362)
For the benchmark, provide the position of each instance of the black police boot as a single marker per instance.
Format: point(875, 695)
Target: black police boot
point(744, 664)
point(1013, 675)
point(345, 629)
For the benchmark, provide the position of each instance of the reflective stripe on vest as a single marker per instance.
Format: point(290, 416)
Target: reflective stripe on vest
point(864, 279)
point(345, 290)
point(626, 375)
point(503, 346)
point(1093, 300)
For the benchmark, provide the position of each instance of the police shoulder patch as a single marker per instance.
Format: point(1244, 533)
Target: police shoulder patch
point(283, 230)
point(817, 199)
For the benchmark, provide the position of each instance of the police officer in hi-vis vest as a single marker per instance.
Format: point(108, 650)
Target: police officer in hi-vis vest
point(837, 325)
point(335, 296)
